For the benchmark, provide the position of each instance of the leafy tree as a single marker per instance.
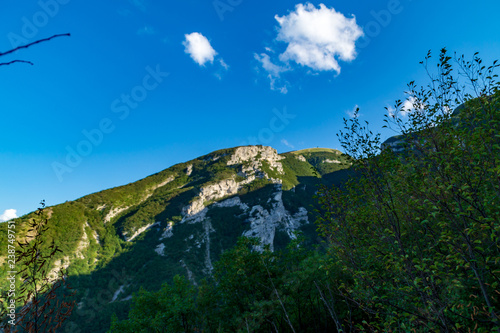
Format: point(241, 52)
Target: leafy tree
point(43, 299)
point(416, 230)
point(171, 309)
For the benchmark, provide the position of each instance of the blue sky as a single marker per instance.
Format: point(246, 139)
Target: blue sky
point(140, 86)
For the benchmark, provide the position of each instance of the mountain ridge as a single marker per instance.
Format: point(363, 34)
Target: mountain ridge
point(179, 220)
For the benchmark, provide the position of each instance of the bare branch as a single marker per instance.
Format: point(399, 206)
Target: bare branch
point(33, 43)
point(14, 61)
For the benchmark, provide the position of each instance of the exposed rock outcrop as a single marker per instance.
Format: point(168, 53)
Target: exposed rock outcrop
point(189, 170)
point(140, 231)
point(301, 158)
point(264, 223)
point(114, 212)
point(160, 249)
point(167, 232)
point(255, 155)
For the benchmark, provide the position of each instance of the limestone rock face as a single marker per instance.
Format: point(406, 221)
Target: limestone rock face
point(255, 155)
point(140, 231)
point(189, 170)
point(250, 159)
point(211, 192)
point(167, 232)
point(232, 202)
point(301, 158)
point(264, 223)
point(114, 212)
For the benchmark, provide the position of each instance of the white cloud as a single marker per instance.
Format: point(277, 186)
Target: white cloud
point(273, 71)
point(318, 37)
point(146, 30)
point(286, 143)
point(268, 65)
point(223, 64)
point(411, 104)
point(8, 214)
point(407, 106)
point(315, 38)
point(199, 48)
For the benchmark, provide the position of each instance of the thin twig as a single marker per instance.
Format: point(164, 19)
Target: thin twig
point(33, 43)
point(14, 61)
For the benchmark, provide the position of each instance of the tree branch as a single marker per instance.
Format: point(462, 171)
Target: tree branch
point(33, 43)
point(14, 61)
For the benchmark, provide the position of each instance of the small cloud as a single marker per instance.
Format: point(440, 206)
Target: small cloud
point(8, 214)
point(286, 143)
point(223, 64)
point(268, 65)
point(146, 30)
point(274, 71)
point(354, 112)
point(139, 4)
point(199, 49)
point(222, 69)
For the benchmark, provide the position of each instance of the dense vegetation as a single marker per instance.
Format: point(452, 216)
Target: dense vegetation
point(249, 291)
point(411, 239)
point(418, 232)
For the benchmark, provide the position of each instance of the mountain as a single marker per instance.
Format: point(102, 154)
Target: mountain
point(179, 221)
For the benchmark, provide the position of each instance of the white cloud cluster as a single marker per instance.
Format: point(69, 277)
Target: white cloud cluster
point(199, 49)
point(316, 38)
point(8, 214)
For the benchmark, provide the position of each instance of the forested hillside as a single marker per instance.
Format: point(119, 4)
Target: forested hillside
point(411, 239)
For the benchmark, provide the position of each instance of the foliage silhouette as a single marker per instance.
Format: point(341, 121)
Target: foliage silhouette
point(417, 229)
point(41, 296)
